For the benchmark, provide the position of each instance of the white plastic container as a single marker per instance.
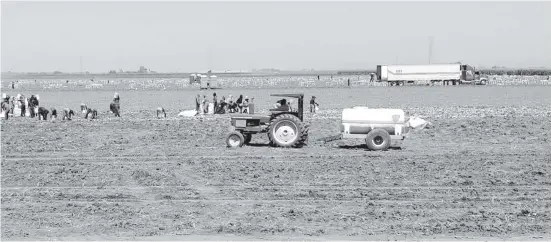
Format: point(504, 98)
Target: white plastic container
point(361, 120)
point(211, 108)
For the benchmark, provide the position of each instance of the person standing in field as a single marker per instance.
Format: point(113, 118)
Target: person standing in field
point(246, 105)
point(205, 104)
point(5, 105)
point(313, 104)
point(239, 103)
point(115, 106)
point(198, 103)
point(33, 103)
point(22, 105)
point(215, 101)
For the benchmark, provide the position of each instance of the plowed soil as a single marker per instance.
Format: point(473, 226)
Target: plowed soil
point(483, 171)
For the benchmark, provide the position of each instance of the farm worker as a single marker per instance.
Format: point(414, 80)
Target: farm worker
point(12, 85)
point(22, 105)
point(53, 114)
point(205, 104)
point(313, 104)
point(161, 110)
point(67, 114)
point(230, 106)
point(92, 112)
point(115, 106)
point(12, 105)
point(5, 105)
point(239, 103)
point(222, 107)
point(33, 103)
point(372, 77)
point(83, 108)
point(215, 100)
point(348, 82)
point(246, 105)
point(198, 103)
point(43, 113)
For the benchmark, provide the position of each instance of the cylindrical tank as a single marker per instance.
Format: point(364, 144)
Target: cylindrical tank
point(361, 120)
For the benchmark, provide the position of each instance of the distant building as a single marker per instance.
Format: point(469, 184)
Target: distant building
point(143, 70)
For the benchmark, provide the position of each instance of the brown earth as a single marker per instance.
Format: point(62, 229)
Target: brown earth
point(481, 172)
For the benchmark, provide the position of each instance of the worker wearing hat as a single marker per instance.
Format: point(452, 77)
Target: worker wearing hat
point(246, 105)
point(313, 104)
point(5, 105)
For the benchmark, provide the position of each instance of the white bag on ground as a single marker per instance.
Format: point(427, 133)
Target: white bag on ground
point(188, 113)
point(211, 108)
point(418, 123)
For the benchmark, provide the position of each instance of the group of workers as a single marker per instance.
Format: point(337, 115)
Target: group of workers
point(241, 105)
point(30, 107)
point(222, 106)
point(21, 106)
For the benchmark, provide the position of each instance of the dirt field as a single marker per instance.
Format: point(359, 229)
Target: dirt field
point(482, 172)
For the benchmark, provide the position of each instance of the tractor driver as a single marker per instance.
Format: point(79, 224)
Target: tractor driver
point(281, 105)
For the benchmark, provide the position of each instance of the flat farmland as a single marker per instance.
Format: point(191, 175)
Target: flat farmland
point(482, 172)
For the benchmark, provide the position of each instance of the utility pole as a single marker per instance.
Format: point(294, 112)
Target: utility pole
point(431, 39)
point(210, 57)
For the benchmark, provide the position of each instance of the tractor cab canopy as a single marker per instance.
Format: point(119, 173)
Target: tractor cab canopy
point(299, 96)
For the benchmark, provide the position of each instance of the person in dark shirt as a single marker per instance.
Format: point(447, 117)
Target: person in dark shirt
point(239, 103)
point(283, 105)
point(313, 104)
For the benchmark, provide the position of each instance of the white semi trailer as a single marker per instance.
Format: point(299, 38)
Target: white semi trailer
point(398, 75)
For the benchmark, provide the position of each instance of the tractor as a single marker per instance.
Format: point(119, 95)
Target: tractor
point(284, 125)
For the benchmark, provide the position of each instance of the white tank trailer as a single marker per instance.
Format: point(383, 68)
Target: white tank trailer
point(380, 128)
point(455, 74)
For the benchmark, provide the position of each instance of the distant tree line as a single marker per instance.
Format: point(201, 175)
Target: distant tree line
point(518, 72)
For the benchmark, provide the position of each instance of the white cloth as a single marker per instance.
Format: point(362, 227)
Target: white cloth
point(418, 123)
point(188, 113)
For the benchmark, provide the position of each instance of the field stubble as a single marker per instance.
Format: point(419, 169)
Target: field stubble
point(483, 171)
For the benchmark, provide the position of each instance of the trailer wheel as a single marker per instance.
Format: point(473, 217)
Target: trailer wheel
point(378, 139)
point(235, 139)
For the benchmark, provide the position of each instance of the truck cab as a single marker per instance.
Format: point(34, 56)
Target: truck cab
point(469, 75)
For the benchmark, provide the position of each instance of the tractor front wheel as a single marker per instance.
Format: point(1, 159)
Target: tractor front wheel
point(285, 131)
point(235, 139)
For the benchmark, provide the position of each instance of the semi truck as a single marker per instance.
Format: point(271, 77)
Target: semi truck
point(455, 74)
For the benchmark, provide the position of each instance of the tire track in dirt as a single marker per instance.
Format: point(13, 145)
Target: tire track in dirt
point(262, 158)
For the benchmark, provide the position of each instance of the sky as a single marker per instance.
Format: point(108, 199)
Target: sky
point(194, 36)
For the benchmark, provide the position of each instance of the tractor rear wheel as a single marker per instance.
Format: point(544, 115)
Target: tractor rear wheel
point(248, 138)
point(378, 139)
point(285, 131)
point(304, 135)
point(235, 139)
